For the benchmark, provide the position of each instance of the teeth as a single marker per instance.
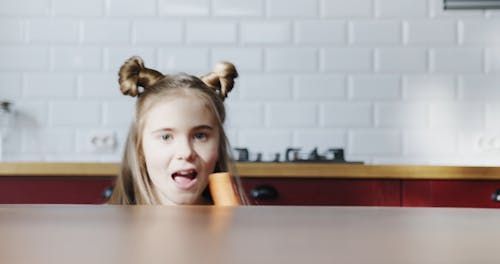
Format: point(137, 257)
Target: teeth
point(185, 173)
point(189, 172)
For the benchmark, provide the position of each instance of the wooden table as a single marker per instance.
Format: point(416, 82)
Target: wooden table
point(195, 234)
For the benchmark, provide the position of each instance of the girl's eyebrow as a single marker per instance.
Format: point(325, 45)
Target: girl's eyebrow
point(163, 129)
point(168, 129)
point(203, 127)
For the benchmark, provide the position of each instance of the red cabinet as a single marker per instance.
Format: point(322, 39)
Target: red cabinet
point(322, 191)
point(450, 193)
point(276, 191)
point(53, 190)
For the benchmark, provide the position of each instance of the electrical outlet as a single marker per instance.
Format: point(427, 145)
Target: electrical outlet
point(102, 141)
point(489, 143)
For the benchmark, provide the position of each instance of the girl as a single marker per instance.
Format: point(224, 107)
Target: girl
point(176, 138)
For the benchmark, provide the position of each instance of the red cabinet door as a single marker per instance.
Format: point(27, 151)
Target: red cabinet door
point(300, 191)
point(53, 190)
point(450, 193)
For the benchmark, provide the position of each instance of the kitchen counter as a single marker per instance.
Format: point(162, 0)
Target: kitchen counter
point(80, 234)
point(289, 170)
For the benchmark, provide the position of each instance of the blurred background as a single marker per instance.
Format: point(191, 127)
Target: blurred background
point(389, 81)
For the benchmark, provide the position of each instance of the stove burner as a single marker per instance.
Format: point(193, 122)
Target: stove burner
point(292, 154)
point(333, 155)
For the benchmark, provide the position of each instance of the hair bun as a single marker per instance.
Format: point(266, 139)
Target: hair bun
point(222, 78)
point(133, 74)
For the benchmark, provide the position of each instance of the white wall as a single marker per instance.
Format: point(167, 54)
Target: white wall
point(392, 81)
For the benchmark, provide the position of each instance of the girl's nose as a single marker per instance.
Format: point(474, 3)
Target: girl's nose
point(184, 149)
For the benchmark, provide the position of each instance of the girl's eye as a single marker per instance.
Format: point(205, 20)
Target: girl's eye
point(166, 137)
point(200, 136)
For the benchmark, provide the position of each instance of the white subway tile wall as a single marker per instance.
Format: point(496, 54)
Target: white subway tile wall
point(49, 86)
point(333, 31)
point(184, 8)
point(391, 81)
point(387, 86)
point(26, 7)
point(53, 31)
point(77, 8)
point(346, 60)
point(238, 8)
point(10, 86)
point(320, 87)
point(401, 8)
point(353, 9)
point(375, 32)
point(430, 32)
point(27, 58)
point(401, 59)
point(223, 32)
point(265, 32)
point(492, 60)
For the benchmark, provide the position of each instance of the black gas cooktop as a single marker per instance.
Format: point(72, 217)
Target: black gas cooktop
point(332, 155)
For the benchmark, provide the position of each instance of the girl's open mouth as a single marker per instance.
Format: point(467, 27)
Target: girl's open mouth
point(185, 179)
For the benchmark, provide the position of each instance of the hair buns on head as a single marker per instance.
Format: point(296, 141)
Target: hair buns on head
point(133, 74)
point(221, 80)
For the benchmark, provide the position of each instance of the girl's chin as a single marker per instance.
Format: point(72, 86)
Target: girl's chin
point(193, 201)
point(185, 198)
point(186, 194)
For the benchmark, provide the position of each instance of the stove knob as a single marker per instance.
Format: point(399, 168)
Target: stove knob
point(496, 196)
point(264, 192)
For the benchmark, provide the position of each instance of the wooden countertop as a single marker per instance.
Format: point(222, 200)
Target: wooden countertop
point(292, 170)
point(81, 234)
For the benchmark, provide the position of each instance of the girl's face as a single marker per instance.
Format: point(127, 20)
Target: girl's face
point(180, 143)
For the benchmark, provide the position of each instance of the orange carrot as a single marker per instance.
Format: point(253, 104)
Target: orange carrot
point(221, 188)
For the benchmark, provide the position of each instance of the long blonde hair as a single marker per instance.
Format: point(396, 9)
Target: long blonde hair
point(133, 184)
